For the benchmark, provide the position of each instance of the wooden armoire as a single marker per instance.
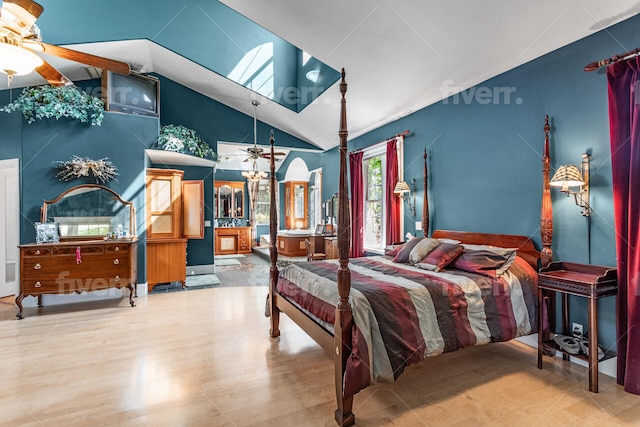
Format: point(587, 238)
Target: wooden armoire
point(175, 213)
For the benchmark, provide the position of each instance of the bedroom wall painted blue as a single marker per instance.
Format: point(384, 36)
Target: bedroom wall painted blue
point(11, 125)
point(122, 138)
point(215, 121)
point(485, 154)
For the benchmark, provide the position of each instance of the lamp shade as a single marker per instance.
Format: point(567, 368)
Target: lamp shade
point(401, 187)
point(16, 60)
point(567, 176)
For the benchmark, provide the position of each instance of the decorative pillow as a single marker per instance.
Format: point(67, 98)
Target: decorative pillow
point(422, 249)
point(403, 254)
point(393, 252)
point(508, 253)
point(440, 257)
point(446, 240)
point(487, 262)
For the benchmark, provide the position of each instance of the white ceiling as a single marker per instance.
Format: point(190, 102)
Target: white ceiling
point(399, 55)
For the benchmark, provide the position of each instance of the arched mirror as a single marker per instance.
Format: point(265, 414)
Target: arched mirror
point(90, 211)
point(229, 197)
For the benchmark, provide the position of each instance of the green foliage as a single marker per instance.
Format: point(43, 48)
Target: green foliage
point(184, 140)
point(46, 101)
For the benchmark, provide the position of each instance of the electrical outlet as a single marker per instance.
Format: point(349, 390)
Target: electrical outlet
point(576, 328)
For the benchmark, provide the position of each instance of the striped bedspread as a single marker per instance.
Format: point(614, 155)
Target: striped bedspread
point(403, 314)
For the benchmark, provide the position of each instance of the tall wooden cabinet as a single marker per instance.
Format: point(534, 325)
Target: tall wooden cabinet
point(174, 213)
point(296, 205)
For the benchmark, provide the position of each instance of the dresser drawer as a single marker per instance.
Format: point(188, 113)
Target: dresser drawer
point(36, 252)
point(84, 250)
point(116, 248)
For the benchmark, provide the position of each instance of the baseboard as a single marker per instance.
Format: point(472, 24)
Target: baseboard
point(607, 367)
point(200, 269)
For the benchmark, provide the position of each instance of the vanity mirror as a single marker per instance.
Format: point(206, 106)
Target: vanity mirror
point(90, 211)
point(229, 199)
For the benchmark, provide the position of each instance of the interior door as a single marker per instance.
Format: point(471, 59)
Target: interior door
point(193, 209)
point(9, 211)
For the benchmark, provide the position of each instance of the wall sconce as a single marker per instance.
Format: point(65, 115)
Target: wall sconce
point(569, 176)
point(402, 188)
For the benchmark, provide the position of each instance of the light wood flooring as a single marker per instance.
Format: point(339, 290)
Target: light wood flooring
point(204, 358)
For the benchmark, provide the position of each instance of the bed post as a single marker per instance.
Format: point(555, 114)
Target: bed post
point(274, 311)
point(344, 319)
point(425, 203)
point(546, 211)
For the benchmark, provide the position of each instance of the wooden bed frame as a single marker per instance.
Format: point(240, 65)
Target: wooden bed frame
point(339, 343)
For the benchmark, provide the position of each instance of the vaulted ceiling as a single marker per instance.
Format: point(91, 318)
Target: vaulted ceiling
point(399, 55)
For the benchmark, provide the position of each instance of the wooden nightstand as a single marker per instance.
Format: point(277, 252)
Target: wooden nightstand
point(589, 281)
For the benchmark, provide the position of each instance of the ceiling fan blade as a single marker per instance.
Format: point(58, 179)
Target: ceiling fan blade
point(53, 76)
point(21, 14)
point(87, 58)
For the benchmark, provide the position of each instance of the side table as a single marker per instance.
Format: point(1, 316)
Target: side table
point(589, 281)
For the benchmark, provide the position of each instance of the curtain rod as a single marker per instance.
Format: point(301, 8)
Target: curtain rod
point(403, 133)
point(615, 58)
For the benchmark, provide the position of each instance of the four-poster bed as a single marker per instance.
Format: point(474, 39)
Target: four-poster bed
point(365, 318)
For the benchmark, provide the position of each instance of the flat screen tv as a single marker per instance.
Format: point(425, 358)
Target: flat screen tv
point(132, 94)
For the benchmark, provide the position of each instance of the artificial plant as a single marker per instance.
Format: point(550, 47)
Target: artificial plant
point(184, 140)
point(46, 101)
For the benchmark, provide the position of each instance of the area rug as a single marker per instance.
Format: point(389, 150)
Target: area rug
point(225, 261)
point(200, 281)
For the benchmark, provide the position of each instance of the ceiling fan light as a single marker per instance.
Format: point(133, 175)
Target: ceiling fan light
point(17, 61)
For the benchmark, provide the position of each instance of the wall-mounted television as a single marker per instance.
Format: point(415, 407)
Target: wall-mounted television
point(132, 94)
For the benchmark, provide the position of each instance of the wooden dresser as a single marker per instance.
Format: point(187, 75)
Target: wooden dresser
point(232, 240)
point(77, 266)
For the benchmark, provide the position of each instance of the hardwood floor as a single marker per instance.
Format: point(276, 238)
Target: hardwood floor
point(204, 358)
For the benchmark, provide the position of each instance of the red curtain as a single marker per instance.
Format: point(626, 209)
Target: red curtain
point(392, 205)
point(357, 204)
point(624, 122)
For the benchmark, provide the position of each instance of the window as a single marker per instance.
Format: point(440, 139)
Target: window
point(263, 202)
point(315, 201)
point(372, 168)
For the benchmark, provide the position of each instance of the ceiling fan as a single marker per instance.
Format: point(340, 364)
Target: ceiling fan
point(255, 152)
point(20, 39)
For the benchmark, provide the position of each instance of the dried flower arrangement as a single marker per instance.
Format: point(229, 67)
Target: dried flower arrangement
point(103, 170)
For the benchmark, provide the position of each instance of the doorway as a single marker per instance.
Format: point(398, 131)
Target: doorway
point(9, 224)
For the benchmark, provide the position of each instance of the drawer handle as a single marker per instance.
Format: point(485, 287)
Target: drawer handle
point(37, 266)
point(37, 251)
point(117, 278)
point(37, 284)
point(116, 261)
point(117, 248)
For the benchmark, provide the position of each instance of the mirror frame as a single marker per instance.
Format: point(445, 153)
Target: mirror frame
point(132, 211)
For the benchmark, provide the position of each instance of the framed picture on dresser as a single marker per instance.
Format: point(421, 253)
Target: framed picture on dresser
point(47, 232)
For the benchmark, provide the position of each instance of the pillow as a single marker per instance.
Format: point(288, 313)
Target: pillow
point(393, 252)
point(440, 257)
point(508, 253)
point(486, 262)
point(421, 250)
point(446, 240)
point(403, 254)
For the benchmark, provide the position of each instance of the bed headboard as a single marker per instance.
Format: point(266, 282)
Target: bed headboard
point(525, 246)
